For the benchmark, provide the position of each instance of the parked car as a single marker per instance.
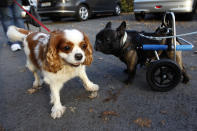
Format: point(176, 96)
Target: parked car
point(81, 9)
point(142, 7)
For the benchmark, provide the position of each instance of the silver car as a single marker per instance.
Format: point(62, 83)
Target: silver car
point(81, 9)
point(142, 7)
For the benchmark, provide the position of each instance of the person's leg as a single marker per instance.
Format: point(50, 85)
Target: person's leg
point(6, 19)
point(18, 20)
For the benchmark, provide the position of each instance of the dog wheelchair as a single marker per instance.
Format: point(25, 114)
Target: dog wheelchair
point(165, 74)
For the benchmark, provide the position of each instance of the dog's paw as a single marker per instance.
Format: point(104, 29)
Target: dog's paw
point(125, 71)
point(93, 95)
point(185, 80)
point(126, 82)
point(38, 84)
point(57, 112)
point(92, 87)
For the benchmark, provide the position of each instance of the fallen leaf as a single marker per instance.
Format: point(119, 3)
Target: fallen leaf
point(109, 113)
point(163, 122)
point(72, 109)
point(82, 96)
point(113, 95)
point(192, 68)
point(32, 90)
point(163, 112)
point(106, 114)
point(22, 70)
point(91, 110)
point(143, 122)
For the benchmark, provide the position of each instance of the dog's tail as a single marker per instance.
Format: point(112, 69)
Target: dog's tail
point(16, 34)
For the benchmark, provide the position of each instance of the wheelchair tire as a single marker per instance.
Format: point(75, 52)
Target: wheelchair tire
point(163, 75)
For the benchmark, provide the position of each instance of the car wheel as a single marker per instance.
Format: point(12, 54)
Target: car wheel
point(82, 13)
point(117, 10)
point(139, 16)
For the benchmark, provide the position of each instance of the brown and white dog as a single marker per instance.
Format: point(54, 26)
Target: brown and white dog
point(60, 56)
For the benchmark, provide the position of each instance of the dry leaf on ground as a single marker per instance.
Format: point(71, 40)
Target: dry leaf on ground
point(22, 70)
point(113, 95)
point(106, 114)
point(163, 112)
point(33, 90)
point(163, 122)
point(72, 109)
point(91, 110)
point(143, 122)
point(192, 68)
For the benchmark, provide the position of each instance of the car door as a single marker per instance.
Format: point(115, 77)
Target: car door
point(95, 5)
point(107, 5)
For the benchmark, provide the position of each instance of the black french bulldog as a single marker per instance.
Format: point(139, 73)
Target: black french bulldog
point(126, 45)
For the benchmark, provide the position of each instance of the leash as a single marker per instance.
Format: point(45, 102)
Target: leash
point(40, 23)
point(166, 37)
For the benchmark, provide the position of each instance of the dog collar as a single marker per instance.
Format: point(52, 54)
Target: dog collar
point(124, 38)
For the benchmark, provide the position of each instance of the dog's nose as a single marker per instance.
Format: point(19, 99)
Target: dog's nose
point(78, 56)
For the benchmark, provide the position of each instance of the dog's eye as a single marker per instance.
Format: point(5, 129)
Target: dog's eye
point(66, 48)
point(84, 46)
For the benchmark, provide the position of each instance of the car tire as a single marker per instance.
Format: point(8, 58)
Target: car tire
point(139, 16)
point(82, 13)
point(117, 10)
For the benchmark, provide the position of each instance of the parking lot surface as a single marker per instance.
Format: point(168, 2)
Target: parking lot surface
point(117, 107)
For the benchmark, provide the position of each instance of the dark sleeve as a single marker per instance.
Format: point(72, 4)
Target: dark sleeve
point(25, 2)
point(6, 3)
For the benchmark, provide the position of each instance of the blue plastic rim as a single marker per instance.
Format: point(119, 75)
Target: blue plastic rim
point(165, 47)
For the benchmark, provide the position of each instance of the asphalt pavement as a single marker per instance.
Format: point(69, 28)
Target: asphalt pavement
point(117, 107)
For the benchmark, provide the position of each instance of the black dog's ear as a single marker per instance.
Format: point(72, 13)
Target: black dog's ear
point(108, 25)
point(121, 29)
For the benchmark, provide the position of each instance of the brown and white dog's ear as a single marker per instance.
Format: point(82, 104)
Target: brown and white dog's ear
point(88, 51)
point(53, 62)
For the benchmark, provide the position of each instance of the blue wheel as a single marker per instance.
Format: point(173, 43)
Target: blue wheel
point(163, 75)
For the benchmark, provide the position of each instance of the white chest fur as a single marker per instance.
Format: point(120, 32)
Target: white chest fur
point(63, 75)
